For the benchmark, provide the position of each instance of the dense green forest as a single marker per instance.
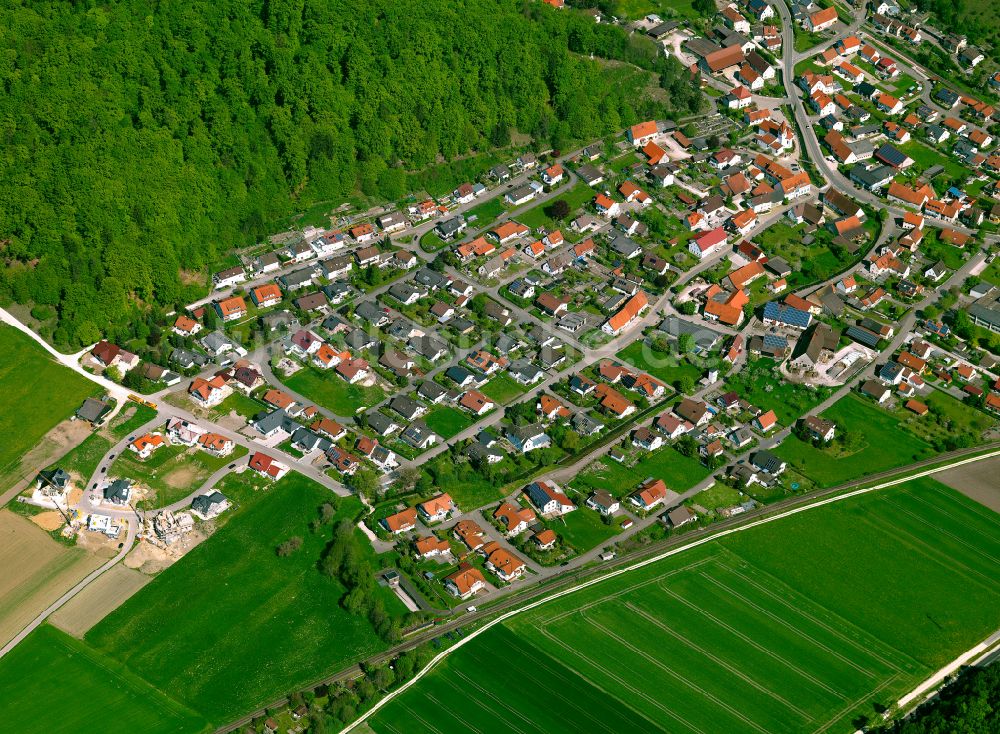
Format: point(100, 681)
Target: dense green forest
point(971, 705)
point(978, 20)
point(144, 139)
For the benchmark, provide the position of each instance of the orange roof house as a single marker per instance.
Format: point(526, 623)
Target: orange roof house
point(628, 313)
point(401, 522)
point(650, 494)
point(465, 582)
point(640, 134)
point(653, 152)
point(231, 308)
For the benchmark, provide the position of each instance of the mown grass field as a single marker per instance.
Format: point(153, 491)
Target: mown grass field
point(232, 626)
point(679, 472)
point(30, 379)
point(575, 197)
point(806, 624)
point(502, 389)
point(584, 528)
point(447, 421)
point(56, 684)
point(333, 393)
point(886, 445)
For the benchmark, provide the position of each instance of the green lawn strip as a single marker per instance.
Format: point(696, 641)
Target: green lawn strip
point(31, 380)
point(241, 405)
point(801, 624)
point(718, 496)
point(503, 388)
point(636, 9)
point(447, 421)
point(486, 212)
point(333, 393)
point(431, 241)
point(140, 415)
point(82, 460)
point(227, 643)
point(678, 472)
point(885, 445)
point(664, 366)
point(992, 272)
point(96, 693)
point(470, 490)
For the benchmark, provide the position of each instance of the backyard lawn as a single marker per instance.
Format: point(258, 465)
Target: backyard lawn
point(241, 405)
point(718, 496)
point(758, 384)
point(679, 472)
point(879, 444)
point(502, 389)
point(447, 421)
point(584, 529)
point(576, 197)
point(810, 262)
point(30, 380)
point(483, 214)
point(666, 366)
point(925, 156)
point(224, 644)
point(137, 416)
point(333, 393)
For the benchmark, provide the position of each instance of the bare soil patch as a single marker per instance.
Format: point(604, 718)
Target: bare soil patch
point(48, 520)
point(977, 481)
point(150, 559)
point(111, 589)
point(99, 544)
point(37, 570)
point(182, 476)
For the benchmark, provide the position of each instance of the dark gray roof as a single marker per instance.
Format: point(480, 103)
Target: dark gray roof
point(276, 419)
point(204, 503)
point(92, 410)
point(380, 423)
point(703, 337)
point(766, 461)
point(862, 335)
point(431, 390)
point(118, 490)
point(405, 406)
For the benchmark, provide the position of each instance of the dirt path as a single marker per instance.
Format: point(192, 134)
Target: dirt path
point(976, 481)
